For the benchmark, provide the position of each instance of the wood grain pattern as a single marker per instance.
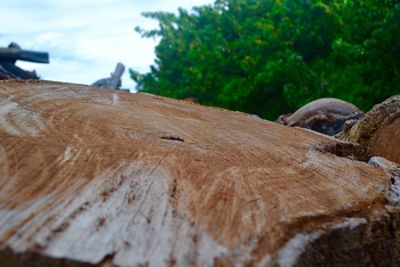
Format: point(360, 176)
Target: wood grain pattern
point(100, 177)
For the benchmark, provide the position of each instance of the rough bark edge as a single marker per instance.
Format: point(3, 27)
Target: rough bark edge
point(364, 132)
point(355, 242)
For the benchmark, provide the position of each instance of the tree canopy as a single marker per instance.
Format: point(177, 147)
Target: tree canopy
point(269, 57)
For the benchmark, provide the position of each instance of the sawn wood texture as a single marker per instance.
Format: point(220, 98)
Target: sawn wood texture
point(96, 177)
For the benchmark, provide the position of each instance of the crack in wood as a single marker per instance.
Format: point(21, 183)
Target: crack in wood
point(344, 150)
point(173, 138)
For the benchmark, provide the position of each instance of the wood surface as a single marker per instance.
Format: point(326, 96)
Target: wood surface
point(379, 131)
point(96, 177)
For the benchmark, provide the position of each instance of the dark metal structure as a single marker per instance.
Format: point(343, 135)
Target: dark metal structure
point(12, 53)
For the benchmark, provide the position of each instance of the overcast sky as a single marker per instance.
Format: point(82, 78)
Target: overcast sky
point(85, 38)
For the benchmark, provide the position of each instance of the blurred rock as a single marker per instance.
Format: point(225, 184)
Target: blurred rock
point(325, 115)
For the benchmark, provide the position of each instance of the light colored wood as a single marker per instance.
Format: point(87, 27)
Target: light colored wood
point(96, 177)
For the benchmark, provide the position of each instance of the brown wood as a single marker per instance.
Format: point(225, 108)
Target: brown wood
point(379, 131)
point(95, 177)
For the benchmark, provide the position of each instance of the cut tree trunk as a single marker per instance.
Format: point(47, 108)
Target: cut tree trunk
point(96, 177)
point(378, 132)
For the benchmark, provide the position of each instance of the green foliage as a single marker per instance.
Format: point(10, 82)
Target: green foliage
point(269, 57)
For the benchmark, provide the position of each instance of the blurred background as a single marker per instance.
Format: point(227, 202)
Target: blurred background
point(265, 57)
point(86, 38)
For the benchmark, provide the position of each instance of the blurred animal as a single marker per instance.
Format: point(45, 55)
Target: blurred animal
point(325, 115)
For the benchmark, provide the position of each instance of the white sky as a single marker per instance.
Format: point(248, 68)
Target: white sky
point(85, 38)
